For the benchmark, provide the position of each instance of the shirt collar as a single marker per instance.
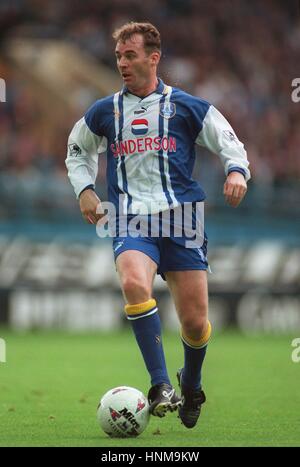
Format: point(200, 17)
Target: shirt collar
point(160, 89)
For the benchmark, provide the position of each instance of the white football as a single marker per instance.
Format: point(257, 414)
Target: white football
point(123, 412)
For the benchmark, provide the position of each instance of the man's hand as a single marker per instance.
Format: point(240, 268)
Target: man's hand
point(235, 188)
point(89, 202)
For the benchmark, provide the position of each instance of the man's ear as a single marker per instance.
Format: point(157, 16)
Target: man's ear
point(155, 58)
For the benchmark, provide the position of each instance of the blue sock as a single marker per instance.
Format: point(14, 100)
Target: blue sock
point(193, 360)
point(146, 326)
point(194, 354)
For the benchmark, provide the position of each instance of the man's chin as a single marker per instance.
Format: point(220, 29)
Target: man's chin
point(127, 80)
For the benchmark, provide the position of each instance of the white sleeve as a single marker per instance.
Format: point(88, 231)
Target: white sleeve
point(82, 158)
point(218, 136)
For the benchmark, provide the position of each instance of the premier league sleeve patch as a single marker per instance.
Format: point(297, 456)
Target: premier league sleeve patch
point(229, 135)
point(167, 110)
point(74, 150)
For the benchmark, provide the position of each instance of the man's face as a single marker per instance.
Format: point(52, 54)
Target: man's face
point(134, 65)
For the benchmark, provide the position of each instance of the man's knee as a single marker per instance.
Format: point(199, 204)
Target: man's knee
point(136, 289)
point(194, 325)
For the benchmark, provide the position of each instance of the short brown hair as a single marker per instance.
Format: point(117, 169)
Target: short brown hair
point(149, 32)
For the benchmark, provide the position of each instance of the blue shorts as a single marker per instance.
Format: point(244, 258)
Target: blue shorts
point(166, 252)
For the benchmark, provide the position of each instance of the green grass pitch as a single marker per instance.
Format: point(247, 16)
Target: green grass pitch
point(52, 381)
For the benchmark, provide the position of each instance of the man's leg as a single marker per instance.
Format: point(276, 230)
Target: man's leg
point(189, 291)
point(136, 271)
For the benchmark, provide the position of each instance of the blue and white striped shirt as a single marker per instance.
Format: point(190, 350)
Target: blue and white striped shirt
point(150, 144)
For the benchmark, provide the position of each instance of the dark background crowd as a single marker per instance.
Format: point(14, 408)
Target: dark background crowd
point(241, 56)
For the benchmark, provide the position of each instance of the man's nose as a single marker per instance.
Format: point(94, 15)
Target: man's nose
point(123, 62)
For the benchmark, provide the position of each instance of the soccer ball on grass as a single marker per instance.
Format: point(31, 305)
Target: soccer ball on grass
point(123, 412)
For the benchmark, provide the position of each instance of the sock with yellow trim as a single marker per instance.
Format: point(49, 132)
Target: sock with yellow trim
point(194, 354)
point(146, 326)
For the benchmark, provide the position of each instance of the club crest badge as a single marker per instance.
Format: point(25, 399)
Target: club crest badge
point(167, 110)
